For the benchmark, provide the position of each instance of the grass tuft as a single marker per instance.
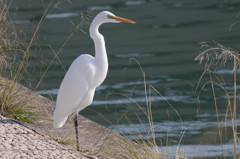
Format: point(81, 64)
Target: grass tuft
point(66, 140)
point(13, 103)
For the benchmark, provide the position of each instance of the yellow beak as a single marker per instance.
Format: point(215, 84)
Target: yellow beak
point(123, 19)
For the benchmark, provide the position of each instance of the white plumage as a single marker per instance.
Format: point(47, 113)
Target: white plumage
point(76, 90)
point(85, 74)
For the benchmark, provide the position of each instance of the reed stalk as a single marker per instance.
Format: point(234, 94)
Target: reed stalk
point(215, 54)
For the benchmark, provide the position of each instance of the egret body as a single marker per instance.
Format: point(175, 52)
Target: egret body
point(85, 74)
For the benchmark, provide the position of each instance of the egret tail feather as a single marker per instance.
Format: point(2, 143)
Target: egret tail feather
point(59, 122)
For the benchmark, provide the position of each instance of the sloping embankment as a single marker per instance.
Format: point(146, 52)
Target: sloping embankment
point(94, 139)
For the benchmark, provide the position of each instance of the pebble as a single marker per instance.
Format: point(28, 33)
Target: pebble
point(19, 142)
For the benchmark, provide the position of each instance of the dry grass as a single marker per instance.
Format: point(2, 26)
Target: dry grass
point(147, 143)
point(66, 140)
point(14, 55)
point(213, 55)
point(12, 103)
point(9, 41)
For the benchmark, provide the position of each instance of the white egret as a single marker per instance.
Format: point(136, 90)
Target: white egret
point(84, 75)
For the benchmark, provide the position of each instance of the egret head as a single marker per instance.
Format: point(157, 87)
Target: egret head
point(108, 17)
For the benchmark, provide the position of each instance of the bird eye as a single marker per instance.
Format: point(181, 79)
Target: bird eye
point(110, 17)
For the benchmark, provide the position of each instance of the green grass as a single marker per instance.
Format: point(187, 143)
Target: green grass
point(14, 103)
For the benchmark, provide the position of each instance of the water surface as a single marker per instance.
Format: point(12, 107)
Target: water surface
point(165, 42)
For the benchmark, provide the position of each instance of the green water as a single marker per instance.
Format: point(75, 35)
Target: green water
point(165, 41)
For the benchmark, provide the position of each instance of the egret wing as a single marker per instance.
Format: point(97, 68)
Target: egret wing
point(73, 89)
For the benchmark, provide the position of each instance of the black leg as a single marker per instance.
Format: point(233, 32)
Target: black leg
point(76, 130)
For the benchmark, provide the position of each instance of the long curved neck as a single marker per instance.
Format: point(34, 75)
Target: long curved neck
point(100, 49)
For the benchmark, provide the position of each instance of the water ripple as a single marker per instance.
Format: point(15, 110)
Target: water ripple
point(170, 128)
point(48, 92)
point(225, 71)
point(182, 99)
point(131, 3)
point(130, 55)
point(107, 7)
point(61, 15)
point(24, 21)
point(192, 151)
